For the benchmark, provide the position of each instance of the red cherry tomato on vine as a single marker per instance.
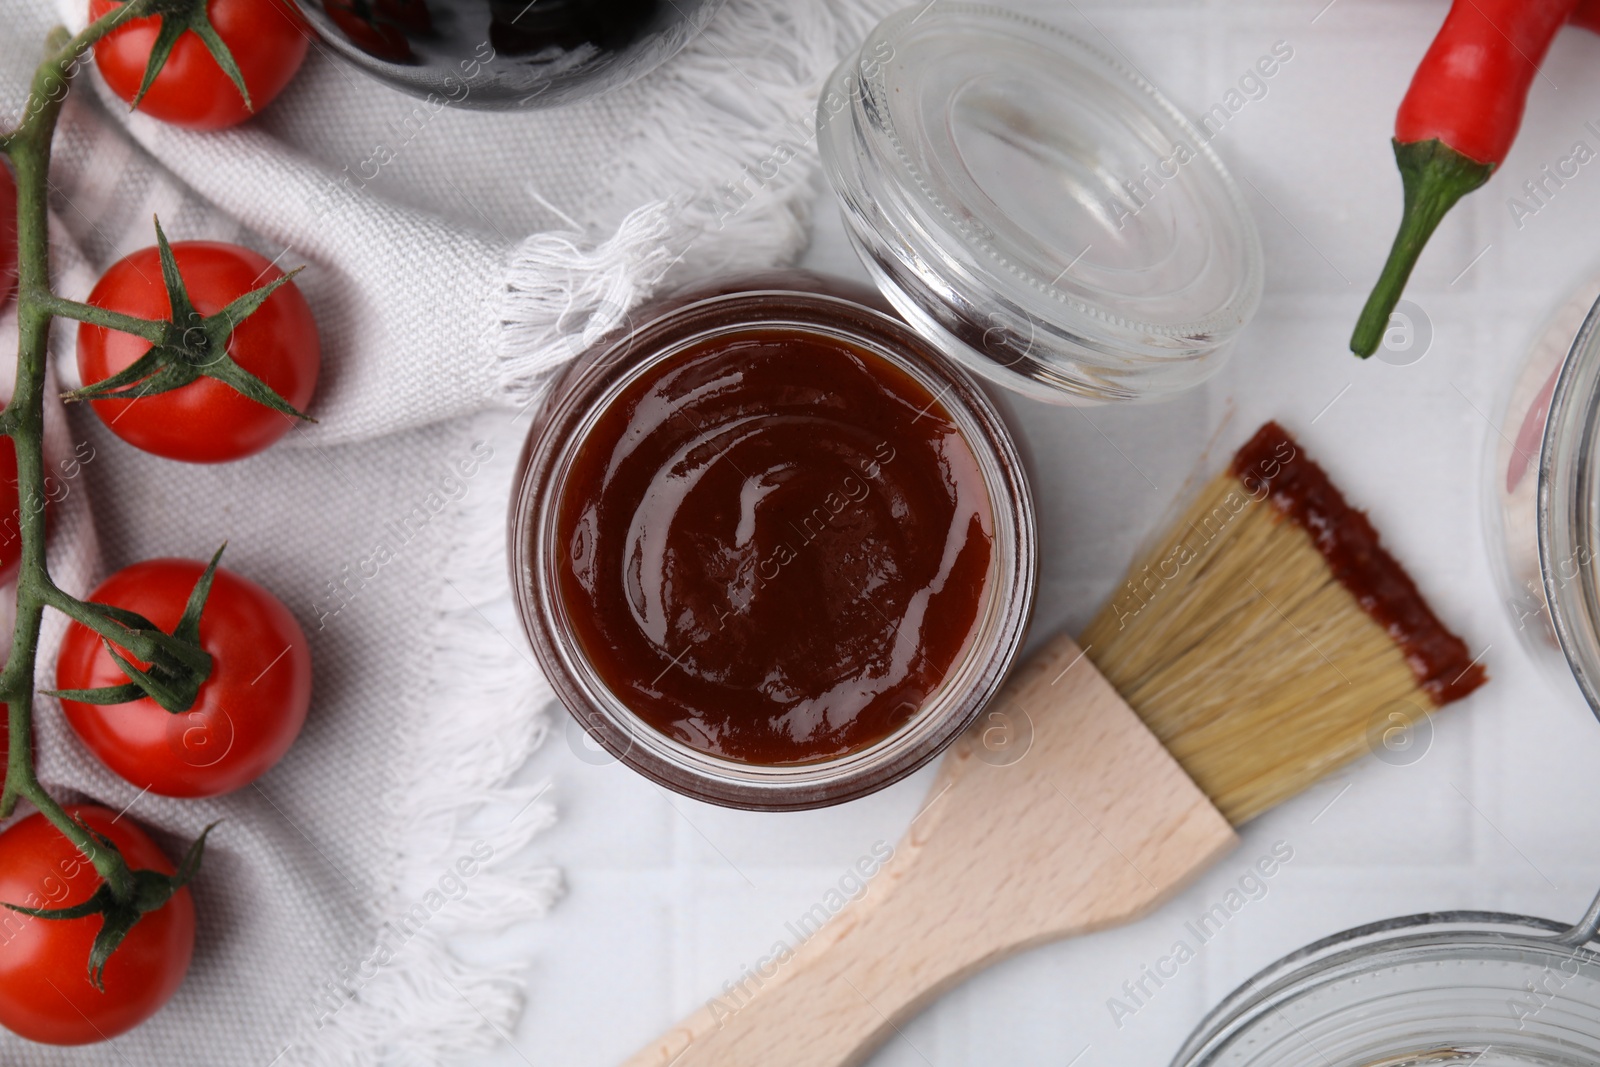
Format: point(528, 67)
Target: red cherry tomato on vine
point(45, 992)
point(8, 234)
point(10, 509)
point(204, 421)
point(10, 512)
point(268, 39)
point(248, 712)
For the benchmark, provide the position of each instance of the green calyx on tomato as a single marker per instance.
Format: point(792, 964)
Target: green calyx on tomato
point(193, 80)
point(177, 18)
point(150, 891)
point(178, 666)
point(192, 346)
point(247, 714)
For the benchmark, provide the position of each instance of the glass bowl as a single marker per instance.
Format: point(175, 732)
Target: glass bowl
point(506, 54)
point(1461, 987)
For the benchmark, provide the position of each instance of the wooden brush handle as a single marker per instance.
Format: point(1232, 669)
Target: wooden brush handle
point(1056, 814)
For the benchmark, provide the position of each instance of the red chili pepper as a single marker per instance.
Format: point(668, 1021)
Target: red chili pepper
point(1456, 125)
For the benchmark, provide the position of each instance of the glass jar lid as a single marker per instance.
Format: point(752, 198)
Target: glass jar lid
point(1035, 208)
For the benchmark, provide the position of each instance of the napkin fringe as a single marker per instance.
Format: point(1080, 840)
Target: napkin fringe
point(563, 291)
point(467, 827)
point(740, 104)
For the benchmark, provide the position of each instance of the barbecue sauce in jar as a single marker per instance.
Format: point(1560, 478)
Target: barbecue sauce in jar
point(775, 545)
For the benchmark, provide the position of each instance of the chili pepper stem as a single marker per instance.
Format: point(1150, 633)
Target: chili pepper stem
point(1434, 176)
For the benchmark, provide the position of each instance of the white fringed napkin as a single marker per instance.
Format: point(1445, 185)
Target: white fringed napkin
point(491, 249)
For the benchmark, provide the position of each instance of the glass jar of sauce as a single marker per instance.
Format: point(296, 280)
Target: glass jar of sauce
point(772, 544)
point(774, 549)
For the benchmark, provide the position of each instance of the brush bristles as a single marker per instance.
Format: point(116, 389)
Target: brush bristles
point(1256, 668)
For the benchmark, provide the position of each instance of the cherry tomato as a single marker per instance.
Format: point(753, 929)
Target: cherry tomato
point(45, 992)
point(8, 235)
point(268, 39)
point(204, 421)
point(247, 713)
point(10, 509)
point(10, 513)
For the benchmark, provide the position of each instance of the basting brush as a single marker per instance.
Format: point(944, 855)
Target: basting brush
point(1326, 635)
point(1266, 640)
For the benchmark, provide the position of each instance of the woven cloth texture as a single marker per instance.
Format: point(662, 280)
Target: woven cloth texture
point(491, 249)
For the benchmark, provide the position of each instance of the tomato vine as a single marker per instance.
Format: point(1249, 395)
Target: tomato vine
point(183, 347)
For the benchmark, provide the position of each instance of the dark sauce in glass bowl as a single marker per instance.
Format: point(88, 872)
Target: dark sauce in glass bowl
point(777, 545)
point(506, 54)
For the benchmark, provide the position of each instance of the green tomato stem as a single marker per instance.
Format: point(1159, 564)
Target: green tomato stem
point(149, 329)
point(29, 147)
point(141, 645)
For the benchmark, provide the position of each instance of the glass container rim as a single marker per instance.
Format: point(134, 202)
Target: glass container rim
point(1369, 946)
point(423, 78)
point(1567, 492)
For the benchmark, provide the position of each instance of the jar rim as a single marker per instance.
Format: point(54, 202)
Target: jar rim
point(1371, 948)
point(1568, 506)
point(586, 391)
point(978, 263)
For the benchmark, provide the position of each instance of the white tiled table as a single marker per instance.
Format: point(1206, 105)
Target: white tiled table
point(669, 899)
